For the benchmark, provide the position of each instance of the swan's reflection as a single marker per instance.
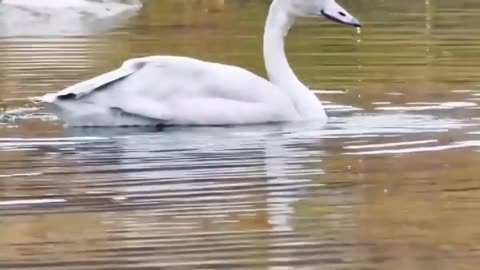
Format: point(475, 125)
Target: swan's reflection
point(210, 180)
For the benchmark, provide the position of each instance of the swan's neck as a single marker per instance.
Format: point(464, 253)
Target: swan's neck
point(279, 71)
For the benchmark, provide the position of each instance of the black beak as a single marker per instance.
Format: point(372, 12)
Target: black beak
point(354, 22)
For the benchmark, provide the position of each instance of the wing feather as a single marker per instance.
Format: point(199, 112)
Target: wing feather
point(84, 88)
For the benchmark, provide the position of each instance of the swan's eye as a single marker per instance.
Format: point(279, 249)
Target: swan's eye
point(342, 14)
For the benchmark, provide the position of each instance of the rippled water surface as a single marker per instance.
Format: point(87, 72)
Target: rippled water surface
point(390, 183)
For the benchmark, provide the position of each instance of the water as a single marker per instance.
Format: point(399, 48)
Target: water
point(389, 183)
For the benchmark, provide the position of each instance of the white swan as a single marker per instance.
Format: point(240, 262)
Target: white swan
point(102, 8)
point(63, 17)
point(169, 90)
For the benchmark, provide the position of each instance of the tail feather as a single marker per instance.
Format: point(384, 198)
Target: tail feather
point(48, 98)
point(80, 114)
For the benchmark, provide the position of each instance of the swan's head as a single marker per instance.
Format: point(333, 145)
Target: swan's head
point(322, 8)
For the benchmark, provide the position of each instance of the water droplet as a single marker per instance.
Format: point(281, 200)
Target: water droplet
point(359, 31)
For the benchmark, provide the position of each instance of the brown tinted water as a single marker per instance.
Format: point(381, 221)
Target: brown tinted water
point(390, 183)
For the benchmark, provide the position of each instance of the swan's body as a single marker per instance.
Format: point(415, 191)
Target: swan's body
point(173, 90)
point(100, 8)
point(189, 95)
point(62, 17)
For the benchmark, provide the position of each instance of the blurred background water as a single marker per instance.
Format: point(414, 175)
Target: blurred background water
point(390, 183)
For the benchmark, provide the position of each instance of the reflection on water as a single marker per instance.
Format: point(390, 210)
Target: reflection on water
point(390, 183)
